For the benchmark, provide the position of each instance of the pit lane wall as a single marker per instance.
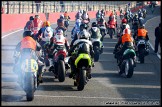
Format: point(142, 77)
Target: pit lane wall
point(11, 22)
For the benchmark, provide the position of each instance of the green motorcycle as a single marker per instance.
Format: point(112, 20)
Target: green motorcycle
point(83, 64)
point(127, 63)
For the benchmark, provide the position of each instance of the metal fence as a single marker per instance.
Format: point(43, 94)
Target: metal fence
point(19, 7)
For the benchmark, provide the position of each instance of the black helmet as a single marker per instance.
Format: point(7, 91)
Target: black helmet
point(142, 25)
point(27, 33)
point(83, 26)
point(94, 24)
point(31, 18)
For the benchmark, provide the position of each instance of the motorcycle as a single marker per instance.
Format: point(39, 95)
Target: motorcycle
point(85, 21)
point(28, 73)
point(59, 64)
point(121, 16)
point(111, 30)
point(118, 31)
point(127, 63)
point(103, 31)
point(97, 48)
point(66, 23)
point(83, 68)
point(35, 30)
point(142, 50)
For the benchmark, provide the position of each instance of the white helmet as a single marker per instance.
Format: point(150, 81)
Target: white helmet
point(61, 16)
point(86, 16)
point(127, 26)
point(126, 31)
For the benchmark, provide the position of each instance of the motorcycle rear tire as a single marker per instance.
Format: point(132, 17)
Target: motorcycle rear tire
point(81, 80)
point(61, 71)
point(29, 86)
point(96, 53)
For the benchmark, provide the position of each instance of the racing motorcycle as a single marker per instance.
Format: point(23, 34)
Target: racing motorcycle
point(142, 50)
point(118, 30)
point(28, 73)
point(59, 64)
point(66, 23)
point(121, 16)
point(102, 30)
point(97, 48)
point(83, 68)
point(127, 63)
point(85, 21)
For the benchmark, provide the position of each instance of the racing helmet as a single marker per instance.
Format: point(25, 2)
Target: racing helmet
point(31, 18)
point(27, 33)
point(126, 31)
point(127, 26)
point(124, 20)
point(94, 24)
point(61, 16)
point(83, 35)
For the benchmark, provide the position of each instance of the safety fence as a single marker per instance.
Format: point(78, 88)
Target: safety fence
point(19, 7)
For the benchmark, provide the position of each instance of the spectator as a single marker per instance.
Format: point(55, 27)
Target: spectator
point(2, 10)
point(38, 5)
point(157, 37)
point(62, 6)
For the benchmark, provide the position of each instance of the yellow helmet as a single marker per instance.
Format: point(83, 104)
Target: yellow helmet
point(48, 23)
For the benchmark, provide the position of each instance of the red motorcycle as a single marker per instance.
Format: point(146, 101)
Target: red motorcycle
point(60, 66)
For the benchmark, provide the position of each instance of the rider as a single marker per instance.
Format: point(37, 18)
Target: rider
point(44, 30)
point(85, 46)
point(59, 39)
point(144, 12)
point(102, 13)
point(111, 24)
point(28, 24)
point(135, 22)
point(111, 15)
point(102, 22)
point(126, 41)
point(85, 16)
point(123, 25)
point(75, 31)
point(98, 15)
point(141, 33)
point(27, 46)
point(79, 15)
point(60, 24)
point(141, 19)
point(36, 23)
point(95, 33)
point(83, 26)
point(66, 16)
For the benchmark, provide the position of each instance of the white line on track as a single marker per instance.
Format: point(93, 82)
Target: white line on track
point(16, 31)
point(110, 98)
point(11, 33)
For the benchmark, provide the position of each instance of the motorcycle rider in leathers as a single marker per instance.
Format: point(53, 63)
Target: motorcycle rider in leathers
point(88, 48)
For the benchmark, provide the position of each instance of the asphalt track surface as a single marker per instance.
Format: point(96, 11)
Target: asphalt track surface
point(105, 88)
